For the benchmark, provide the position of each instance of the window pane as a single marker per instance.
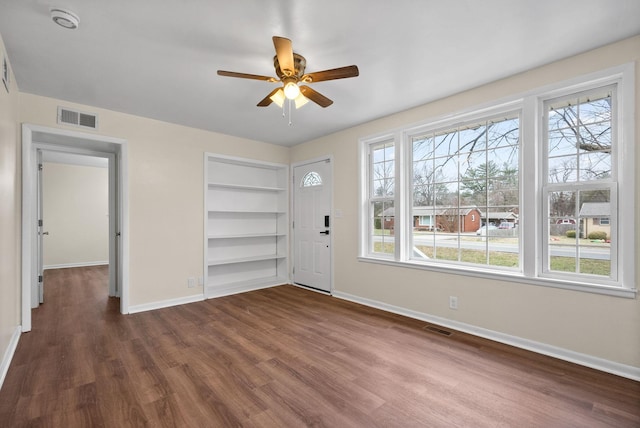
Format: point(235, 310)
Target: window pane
point(501, 159)
point(473, 139)
point(474, 165)
point(578, 242)
point(422, 148)
point(595, 137)
point(562, 116)
point(562, 143)
point(504, 133)
point(446, 169)
point(563, 169)
point(383, 225)
point(446, 144)
point(595, 166)
point(311, 179)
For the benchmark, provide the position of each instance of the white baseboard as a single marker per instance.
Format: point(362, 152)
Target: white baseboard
point(597, 363)
point(73, 265)
point(8, 354)
point(165, 303)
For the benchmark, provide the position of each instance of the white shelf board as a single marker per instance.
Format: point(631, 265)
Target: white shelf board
point(228, 288)
point(247, 187)
point(247, 212)
point(254, 235)
point(245, 259)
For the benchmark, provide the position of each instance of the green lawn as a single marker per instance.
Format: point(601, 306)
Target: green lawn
point(503, 259)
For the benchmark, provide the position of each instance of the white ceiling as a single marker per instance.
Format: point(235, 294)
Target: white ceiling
point(158, 58)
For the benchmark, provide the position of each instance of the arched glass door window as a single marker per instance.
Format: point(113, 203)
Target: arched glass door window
point(311, 179)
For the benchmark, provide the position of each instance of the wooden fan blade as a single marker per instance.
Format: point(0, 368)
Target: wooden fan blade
point(267, 100)
point(333, 74)
point(246, 76)
point(284, 52)
point(315, 96)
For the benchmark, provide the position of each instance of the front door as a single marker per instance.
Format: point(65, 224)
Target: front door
point(312, 225)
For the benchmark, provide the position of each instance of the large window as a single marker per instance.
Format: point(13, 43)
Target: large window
point(526, 190)
point(467, 178)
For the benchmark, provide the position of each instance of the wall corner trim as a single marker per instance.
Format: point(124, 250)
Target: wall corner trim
point(8, 354)
point(586, 360)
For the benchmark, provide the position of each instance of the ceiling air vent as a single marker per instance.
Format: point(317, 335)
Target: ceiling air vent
point(76, 118)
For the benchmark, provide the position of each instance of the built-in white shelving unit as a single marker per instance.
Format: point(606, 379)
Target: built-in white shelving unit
point(246, 225)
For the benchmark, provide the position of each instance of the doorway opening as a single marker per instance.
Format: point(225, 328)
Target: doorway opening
point(74, 209)
point(37, 140)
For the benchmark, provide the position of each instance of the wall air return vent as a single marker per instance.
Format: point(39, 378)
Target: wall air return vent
point(76, 118)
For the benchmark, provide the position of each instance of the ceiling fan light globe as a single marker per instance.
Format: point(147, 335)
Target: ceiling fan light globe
point(278, 98)
point(291, 90)
point(301, 100)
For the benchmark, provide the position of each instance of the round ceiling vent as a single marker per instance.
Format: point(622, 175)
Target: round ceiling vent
point(65, 18)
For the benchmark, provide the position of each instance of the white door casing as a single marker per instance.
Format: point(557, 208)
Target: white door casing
point(313, 184)
point(38, 290)
point(35, 137)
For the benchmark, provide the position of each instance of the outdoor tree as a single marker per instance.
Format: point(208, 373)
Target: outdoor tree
point(428, 188)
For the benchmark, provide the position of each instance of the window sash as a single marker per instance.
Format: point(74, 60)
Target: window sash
point(380, 155)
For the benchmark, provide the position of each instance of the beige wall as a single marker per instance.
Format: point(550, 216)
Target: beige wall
point(75, 201)
point(10, 210)
point(597, 325)
point(166, 193)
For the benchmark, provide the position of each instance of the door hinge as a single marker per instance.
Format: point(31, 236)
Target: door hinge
point(294, 270)
point(293, 225)
point(39, 167)
point(40, 223)
point(40, 278)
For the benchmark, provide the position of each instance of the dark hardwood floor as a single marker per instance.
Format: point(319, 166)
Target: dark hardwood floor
point(283, 357)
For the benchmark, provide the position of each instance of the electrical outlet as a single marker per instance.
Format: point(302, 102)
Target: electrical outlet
point(453, 302)
point(191, 282)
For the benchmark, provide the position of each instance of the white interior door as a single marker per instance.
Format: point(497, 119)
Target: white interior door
point(312, 225)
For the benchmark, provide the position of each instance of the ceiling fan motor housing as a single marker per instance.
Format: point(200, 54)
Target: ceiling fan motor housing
point(299, 62)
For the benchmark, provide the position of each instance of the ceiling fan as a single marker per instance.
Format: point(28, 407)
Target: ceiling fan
point(290, 68)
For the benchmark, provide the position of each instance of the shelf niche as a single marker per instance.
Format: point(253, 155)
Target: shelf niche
point(246, 225)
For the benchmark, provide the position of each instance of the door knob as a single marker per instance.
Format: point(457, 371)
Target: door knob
point(326, 232)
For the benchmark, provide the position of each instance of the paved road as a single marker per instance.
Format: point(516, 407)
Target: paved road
point(602, 253)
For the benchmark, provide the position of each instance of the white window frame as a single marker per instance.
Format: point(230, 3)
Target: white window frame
point(532, 182)
point(368, 199)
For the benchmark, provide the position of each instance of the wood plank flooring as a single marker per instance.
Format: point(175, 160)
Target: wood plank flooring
point(282, 357)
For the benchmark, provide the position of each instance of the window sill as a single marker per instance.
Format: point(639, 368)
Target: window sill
point(629, 293)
